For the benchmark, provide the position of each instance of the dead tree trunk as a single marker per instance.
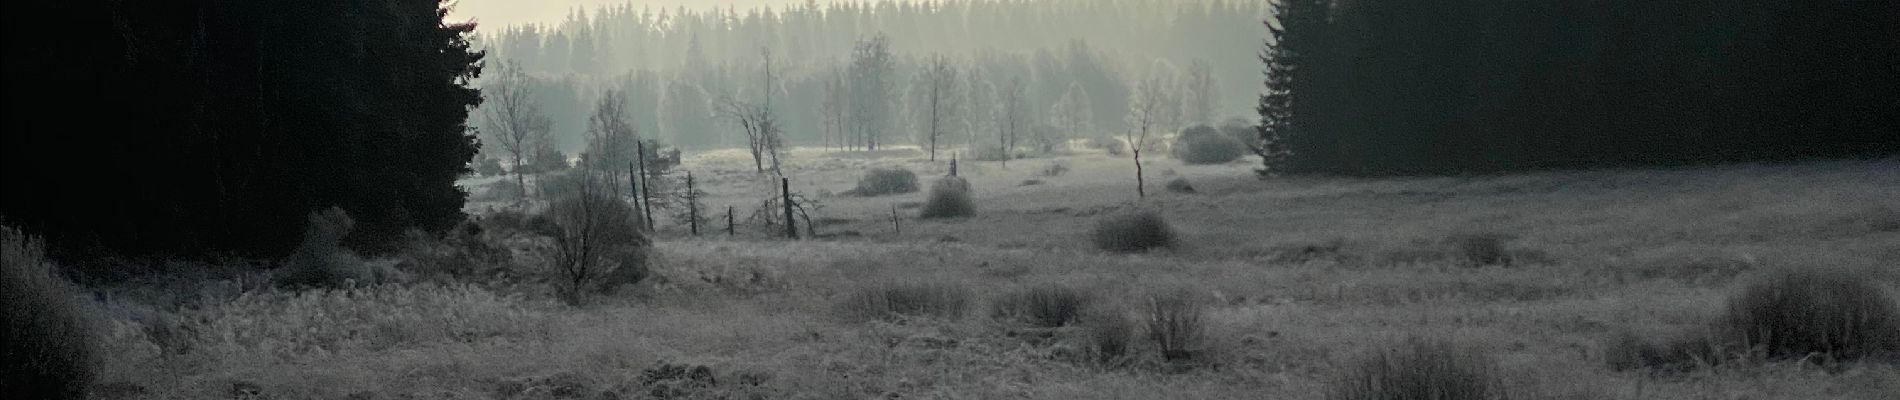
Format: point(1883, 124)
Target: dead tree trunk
point(785, 188)
point(692, 205)
point(646, 195)
point(730, 231)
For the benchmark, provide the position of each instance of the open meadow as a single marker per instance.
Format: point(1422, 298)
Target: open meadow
point(1273, 288)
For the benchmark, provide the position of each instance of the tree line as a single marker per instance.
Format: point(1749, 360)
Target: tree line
point(212, 127)
point(676, 66)
point(1406, 87)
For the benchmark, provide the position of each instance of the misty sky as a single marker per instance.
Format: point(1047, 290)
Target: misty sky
point(497, 13)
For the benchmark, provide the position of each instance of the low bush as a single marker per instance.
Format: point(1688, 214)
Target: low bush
point(598, 242)
point(1046, 306)
point(1205, 145)
point(1132, 232)
point(1419, 370)
point(886, 181)
point(1824, 314)
point(891, 301)
point(50, 349)
point(949, 198)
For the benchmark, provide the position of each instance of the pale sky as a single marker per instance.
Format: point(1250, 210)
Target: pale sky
point(498, 13)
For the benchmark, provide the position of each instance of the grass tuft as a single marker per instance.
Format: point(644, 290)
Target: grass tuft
point(949, 198)
point(1176, 324)
point(1132, 232)
point(895, 301)
point(886, 181)
point(1830, 314)
point(50, 347)
point(1419, 370)
point(1047, 306)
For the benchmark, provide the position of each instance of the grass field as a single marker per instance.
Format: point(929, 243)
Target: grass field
point(1299, 276)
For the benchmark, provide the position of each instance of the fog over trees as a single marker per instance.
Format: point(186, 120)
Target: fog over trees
point(878, 48)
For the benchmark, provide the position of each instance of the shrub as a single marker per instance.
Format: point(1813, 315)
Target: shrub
point(1180, 185)
point(596, 237)
point(1046, 306)
point(906, 299)
point(949, 198)
point(1176, 325)
point(1132, 232)
point(886, 181)
point(489, 166)
point(1421, 370)
point(50, 348)
point(321, 260)
point(1204, 145)
point(1834, 314)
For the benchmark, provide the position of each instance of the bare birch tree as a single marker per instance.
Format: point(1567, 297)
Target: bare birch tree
point(513, 119)
point(1152, 106)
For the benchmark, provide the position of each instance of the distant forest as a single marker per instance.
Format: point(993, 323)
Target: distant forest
point(668, 61)
point(1431, 87)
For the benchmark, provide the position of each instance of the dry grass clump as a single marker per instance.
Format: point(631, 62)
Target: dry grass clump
point(50, 348)
point(1419, 370)
point(886, 181)
point(899, 300)
point(1109, 335)
point(1176, 324)
point(949, 198)
point(1132, 232)
point(1822, 315)
point(1830, 314)
point(1047, 305)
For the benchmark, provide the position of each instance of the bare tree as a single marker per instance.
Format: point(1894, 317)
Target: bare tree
point(1012, 116)
point(1200, 94)
point(611, 139)
point(1151, 108)
point(935, 100)
point(756, 120)
point(513, 119)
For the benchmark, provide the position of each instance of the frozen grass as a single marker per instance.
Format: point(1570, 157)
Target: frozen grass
point(51, 347)
point(1300, 277)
